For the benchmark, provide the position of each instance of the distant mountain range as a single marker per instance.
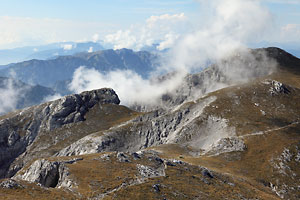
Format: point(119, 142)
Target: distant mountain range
point(46, 51)
point(32, 81)
point(49, 72)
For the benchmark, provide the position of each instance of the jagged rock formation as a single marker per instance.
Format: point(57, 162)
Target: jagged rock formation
point(278, 88)
point(72, 108)
point(22, 128)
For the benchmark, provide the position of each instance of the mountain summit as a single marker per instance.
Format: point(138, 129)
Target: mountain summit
point(239, 141)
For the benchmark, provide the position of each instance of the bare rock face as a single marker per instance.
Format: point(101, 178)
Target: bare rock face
point(20, 129)
point(48, 174)
point(149, 172)
point(72, 108)
point(44, 172)
point(152, 129)
point(225, 145)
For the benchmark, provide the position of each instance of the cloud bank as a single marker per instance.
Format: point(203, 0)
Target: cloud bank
point(130, 86)
point(233, 24)
point(163, 29)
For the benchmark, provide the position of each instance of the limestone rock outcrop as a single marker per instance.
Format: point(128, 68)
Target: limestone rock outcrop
point(19, 129)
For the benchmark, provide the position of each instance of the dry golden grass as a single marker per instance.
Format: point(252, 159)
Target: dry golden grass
point(237, 104)
point(33, 191)
point(237, 175)
point(96, 176)
point(185, 181)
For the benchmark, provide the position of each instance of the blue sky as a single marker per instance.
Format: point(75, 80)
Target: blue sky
point(45, 21)
point(286, 12)
point(125, 11)
point(121, 12)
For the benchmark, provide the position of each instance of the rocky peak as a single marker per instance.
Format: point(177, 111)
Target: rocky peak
point(103, 96)
point(21, 129)
point(72, 108)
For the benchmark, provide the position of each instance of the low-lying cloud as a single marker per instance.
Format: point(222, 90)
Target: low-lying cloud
point(130, 86)
point(9, 96)
point(231, 25)
point(11, 92)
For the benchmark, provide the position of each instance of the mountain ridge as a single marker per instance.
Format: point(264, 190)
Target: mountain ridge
point(240, 141)
point(47, 72)
point(45, 51)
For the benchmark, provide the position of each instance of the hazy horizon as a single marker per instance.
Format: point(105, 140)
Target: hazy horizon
point(132, 24)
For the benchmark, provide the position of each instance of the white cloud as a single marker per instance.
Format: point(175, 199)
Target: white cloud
point(67, 47)
point(122, 39)
point(90, 50)
point(153, 20)
point(163, 29)
point(233, 24)
point(130, 87)
point(284, 1)
point(9, 96)
point(95, 37)
point(11, 93)
point(290, 33)
point(168, 41)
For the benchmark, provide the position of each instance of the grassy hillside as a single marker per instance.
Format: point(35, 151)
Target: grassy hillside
point(259, 159)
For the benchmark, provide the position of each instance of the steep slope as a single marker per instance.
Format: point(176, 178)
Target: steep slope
point(267, 128)
point(250, 132)
point(233, 111)
point(238, 68)
point(48, 72)
point(42, 130)
point(239, 142)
